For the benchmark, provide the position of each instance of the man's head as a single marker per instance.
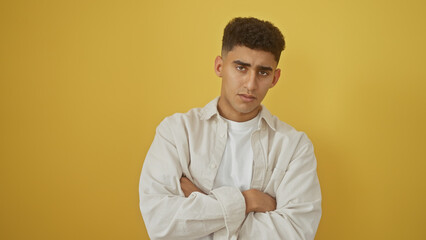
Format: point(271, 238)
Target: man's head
point(255, 34)
point(248, 66)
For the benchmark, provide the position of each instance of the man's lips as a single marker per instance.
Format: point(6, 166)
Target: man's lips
point(247, 97)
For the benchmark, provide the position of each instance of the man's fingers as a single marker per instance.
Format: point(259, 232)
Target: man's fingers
point(185, 185)
point(183, 180)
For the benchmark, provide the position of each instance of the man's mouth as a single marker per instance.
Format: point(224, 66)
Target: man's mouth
point(247, 97)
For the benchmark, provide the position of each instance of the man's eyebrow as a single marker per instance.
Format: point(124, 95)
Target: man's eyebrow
point(242, 63)
point(263, 68)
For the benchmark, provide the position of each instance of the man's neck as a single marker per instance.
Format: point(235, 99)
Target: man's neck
point(235, 116)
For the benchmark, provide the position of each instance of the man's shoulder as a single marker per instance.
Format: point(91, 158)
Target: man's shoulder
point(287, 131)
point(181, 125)
point(194, 115)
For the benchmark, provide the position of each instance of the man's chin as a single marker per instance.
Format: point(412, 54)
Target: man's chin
point(248, 109)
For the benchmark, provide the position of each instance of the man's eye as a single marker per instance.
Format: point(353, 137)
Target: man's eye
point(263, 73)
point(241, 68)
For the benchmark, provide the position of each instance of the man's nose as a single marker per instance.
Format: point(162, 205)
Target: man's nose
point(251, 83)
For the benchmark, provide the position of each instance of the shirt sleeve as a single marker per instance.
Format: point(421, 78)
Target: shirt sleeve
point(298, 197)
point(167, 213)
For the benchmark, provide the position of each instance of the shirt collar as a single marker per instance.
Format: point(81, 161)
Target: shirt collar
point(210, 110)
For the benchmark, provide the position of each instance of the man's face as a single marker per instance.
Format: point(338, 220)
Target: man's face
point(247, 75)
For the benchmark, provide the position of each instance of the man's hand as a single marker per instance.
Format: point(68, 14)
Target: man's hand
point(257, 201)
point(188, 187)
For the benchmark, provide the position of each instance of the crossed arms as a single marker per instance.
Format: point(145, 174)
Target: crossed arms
point(256, 201)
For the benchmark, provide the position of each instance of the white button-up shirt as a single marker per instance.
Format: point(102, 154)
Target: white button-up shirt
point(192, 145)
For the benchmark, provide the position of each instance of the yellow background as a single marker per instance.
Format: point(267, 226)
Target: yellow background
point(85, 83)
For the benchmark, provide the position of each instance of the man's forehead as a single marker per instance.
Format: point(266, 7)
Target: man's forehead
point(254, 57)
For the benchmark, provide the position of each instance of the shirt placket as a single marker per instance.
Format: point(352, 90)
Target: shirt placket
point(221, 137)
point(259, 140)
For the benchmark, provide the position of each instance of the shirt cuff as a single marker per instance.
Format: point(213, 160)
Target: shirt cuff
point(233, 206)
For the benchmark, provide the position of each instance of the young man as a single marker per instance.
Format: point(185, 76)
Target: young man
point(231, 170)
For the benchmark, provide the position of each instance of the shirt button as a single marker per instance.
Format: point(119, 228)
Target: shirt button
point(223, 135)
point(212, 166)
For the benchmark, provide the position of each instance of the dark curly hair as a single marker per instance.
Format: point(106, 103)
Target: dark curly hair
point(255, 34)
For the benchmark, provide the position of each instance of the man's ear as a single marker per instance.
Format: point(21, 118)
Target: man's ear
point(277, 75)
point(218, 64)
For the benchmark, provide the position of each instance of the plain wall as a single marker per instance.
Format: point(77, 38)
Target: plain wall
point(83, 85)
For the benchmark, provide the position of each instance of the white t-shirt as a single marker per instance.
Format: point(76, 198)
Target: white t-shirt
point(237, 161)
